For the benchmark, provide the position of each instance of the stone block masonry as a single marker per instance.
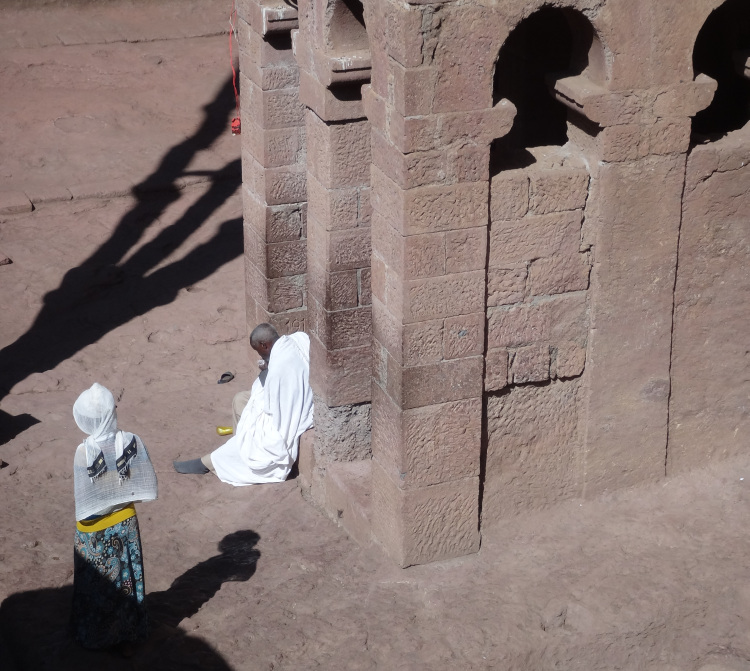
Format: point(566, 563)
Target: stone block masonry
point(338, 250)
point(273, 168)
point(485, 251)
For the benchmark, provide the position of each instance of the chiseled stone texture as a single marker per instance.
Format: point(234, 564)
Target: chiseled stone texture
point(426, 445)
point(425, 524)
point(709, 414)
point(342, 433)
point(534, 452)
point(632, 291)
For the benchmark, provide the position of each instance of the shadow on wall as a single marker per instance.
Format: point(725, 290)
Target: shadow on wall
point(721, 51)
point(35, 633)
point(552, 41)
point(103, 293)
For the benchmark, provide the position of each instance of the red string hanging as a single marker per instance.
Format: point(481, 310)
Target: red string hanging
point(236, 126)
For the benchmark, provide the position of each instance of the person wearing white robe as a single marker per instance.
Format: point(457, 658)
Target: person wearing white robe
point(266, 442)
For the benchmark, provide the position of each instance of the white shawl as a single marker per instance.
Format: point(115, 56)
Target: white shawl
point(280, 409)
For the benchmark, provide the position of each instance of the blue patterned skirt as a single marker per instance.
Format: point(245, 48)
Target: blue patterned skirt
point(108, 588)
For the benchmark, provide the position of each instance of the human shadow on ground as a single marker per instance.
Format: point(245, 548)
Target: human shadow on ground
point(104, 292)
point(35, 632)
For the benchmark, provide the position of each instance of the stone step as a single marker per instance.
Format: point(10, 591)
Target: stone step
point(348, 489)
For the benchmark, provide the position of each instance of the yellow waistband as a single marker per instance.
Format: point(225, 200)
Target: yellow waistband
point(106, 520)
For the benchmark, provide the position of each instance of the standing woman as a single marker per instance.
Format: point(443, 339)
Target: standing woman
point(112, 471)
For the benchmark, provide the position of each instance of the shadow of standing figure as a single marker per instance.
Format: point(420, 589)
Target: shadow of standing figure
point(34, 632)
point(109, 288)
point(196, 586)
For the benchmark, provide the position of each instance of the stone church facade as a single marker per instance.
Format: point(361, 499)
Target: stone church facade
point(518, 234)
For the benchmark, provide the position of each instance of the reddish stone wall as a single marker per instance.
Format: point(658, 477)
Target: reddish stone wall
point(518, 345)
point(710, 405)
point(273, 167)
point(537, 333)
point(331, 49)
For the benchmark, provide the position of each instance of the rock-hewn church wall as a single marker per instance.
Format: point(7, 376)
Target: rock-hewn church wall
point(509, 256)
point(710, 405)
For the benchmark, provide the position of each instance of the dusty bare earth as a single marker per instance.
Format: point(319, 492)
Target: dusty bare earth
point(114, 122)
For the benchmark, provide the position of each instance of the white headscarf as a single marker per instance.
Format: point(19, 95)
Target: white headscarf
point(95, 414)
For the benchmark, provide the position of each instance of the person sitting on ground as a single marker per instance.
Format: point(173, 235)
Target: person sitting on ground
point(111, 471)
point(277, 410)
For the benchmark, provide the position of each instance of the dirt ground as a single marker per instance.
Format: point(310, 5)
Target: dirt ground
point(114, 123)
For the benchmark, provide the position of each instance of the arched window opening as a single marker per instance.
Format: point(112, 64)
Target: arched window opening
point(348, 31)
point(721, 51)
point(551, 42)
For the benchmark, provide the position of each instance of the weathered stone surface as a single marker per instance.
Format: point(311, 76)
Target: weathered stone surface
point(364, 286)
point(348, 497)
point(533, 237)
point(509, 195)
point(568, 360)
point(535, 450)
point(343, 328)
point(545, 320)
point(413, 89)
point(463, 336)
point(276, 223)
point(327, 106)
point(426, 524)
point(286, 293)
point(276, 186)
point(285, 323)
point(429, 208)
point(559, 274)
point(441, 382)
point(446, 296)
point(427, 445)
point(286, 258)
point(466, 250)
point(421, 343)
point(530, 364)
point(506, 286)
point(408, 170)
point(340, 249)
point(342, 433)
point(469, 163)
point(279, 108)
point(631, 318)
point(340, 377)
point(334, 291)
point(557, 190)
point(496, 369)
point(424, 255)
point(273, 148)
point(14, 202)
point(469, 41)
point(335, 209)
point(708, 417)
point(340, 152)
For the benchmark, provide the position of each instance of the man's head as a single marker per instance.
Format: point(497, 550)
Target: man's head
point(262, 339)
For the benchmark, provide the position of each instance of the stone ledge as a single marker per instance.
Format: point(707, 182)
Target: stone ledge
point(14, 202)
point(348, 490)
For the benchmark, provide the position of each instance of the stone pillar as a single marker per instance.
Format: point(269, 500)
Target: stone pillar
point(338, 253)
point(273, 166)
point(430, 176)
point(636, 207)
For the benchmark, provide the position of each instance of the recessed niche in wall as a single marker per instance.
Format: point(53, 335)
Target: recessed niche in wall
point(721, 43)
point(347, 29)
point(551, 41)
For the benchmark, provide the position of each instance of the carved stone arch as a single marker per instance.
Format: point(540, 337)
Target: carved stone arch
point(722, 52)
point(551, 44)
